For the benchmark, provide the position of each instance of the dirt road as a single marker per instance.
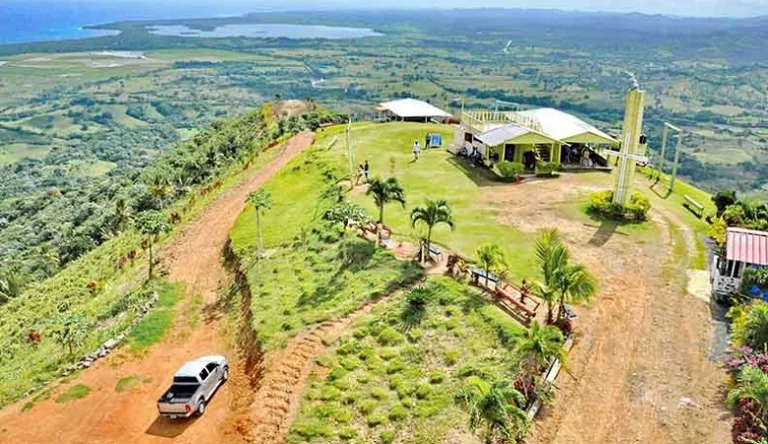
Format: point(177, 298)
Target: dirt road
point(640, 371)
point(106, 416)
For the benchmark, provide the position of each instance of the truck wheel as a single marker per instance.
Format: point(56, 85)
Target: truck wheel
point(225, 376)
point(200, 408)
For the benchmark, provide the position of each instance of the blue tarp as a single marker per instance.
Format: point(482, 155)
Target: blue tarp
point(435, 140)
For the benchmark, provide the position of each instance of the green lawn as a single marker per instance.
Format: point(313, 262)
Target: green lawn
point(394, 373)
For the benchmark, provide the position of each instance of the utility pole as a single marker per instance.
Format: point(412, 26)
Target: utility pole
point(677, 163)
point(350, 153)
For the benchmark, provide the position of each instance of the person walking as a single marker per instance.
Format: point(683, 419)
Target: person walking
point(361, 173)
point(416, 150)
point(366, 170)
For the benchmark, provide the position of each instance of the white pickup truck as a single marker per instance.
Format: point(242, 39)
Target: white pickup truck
point(193, 385)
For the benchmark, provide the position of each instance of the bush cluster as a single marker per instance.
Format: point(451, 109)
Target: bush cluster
point(510, 170)
point(546, 168)
point(636, 210)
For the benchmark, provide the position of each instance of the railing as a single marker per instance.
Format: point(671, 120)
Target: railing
point(476, 119)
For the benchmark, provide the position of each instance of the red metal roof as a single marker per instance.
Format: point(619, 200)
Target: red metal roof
point(750, 246)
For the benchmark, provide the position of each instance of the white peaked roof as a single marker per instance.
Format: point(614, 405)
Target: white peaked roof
point(413, 108)
point(501, 134)
point(563, 126)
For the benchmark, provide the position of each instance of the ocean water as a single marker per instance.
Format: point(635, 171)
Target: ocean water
point(40, 20)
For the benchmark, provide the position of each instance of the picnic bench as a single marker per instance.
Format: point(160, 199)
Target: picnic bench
point(694, 206)
point(477, 274)
point(435, 251)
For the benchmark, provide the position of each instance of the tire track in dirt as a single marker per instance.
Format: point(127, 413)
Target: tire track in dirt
point(106, 416)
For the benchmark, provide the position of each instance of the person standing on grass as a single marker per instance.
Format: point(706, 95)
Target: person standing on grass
point(416, 150)
point(524, 291)
point(361, 171)
point(366, 170)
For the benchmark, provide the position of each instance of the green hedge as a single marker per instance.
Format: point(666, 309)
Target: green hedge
point(510, 170)
point(546, 168)
point(636, 210)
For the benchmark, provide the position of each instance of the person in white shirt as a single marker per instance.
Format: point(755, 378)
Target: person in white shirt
point(416, 150)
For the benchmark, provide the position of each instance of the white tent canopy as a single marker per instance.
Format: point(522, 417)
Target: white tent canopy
point(412, 108)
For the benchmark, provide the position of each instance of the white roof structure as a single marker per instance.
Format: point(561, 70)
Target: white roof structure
point(565, 127)
point(500, 134)
point(412, 108)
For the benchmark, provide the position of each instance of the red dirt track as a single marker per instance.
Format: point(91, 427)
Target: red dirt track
point(106, 416)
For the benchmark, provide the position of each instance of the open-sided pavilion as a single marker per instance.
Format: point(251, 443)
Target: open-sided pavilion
point(544, 134)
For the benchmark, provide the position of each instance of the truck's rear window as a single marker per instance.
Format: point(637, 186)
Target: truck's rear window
point(184, 380)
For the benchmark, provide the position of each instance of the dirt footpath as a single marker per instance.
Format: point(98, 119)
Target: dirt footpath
point(640, 371)
point(106, 416)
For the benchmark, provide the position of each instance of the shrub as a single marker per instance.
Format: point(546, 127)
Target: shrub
point(329, 393)
point(350, 398)
point(510, 170)
point(436, 377)
point(379, 393)
point(349, 363)
point(756, 326)
point(347, 433)
point(363, 377)
point(368, 406)
point(754, 276)
point(388, 353)
point(423, 391)
point(546, 168)
point(395, 366)
point(390, 336)
point(387, 437)
point(375, 419)
point(398, 413)
point(636, 210)
point(334, 412)
point(314, 428)
point(337, 373)
point(451, 357)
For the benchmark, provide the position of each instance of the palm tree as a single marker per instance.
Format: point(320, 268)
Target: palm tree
point(151, 224)
point(542, 343)
point(11, 285)
point(122, 215)
point(575, 284)
point(552, 256)
point(751, 383)
point(161, 190)
point(384, 192)
point(491, 258)
point(433, 213)
point(260, 200)
point(49, 258)
point(494, 409)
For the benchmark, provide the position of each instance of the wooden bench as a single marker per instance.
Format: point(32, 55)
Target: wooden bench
point(525, 313)
point(435, 251)
point(477, 274)
point(695, 207)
